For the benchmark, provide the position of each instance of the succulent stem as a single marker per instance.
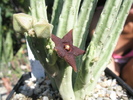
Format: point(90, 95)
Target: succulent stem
point(94, 62)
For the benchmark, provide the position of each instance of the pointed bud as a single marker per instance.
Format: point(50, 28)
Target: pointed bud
point(43, 29)
point(22, 22)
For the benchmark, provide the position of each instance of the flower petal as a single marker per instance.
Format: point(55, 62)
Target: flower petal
point(77, 51)
point(70, 59)
point(68, 37)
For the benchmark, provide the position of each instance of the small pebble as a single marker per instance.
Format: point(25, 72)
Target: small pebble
point(45, 92)
point(113, 95)
point(125, 98)
point(119, 93)
point(113, 82)
point(118, 88)
point(24, 93)
point(40, 80)
point(99, 98)
point(37, 91)
point(30, 92)
point(108, 82)
point(45, 98)
point(48, 82)
point(95, 95)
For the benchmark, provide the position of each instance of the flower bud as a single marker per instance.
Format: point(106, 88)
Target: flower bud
point(22, 22)
point(43, 29)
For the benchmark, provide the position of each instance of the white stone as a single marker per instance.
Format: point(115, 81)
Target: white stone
point(108, 82)
point(114, 82)
point(95, 95)
point(113, 95)
point(45, 98)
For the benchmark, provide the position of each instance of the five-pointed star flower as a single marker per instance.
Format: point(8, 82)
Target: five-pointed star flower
point(65, 49)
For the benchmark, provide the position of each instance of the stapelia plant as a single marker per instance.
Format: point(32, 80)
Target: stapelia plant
point(57, 50)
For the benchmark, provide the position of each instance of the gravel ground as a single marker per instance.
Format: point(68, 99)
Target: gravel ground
point(106, 89)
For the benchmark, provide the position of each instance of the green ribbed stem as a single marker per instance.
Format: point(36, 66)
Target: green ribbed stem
point(68, 16)
point(38, 9)
point(100, 49)
point(57, 8)
point(80, 32)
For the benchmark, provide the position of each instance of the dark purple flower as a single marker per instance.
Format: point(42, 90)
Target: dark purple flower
point(65, 49)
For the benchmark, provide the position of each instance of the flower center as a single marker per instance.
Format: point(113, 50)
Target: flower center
point(67, 47)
